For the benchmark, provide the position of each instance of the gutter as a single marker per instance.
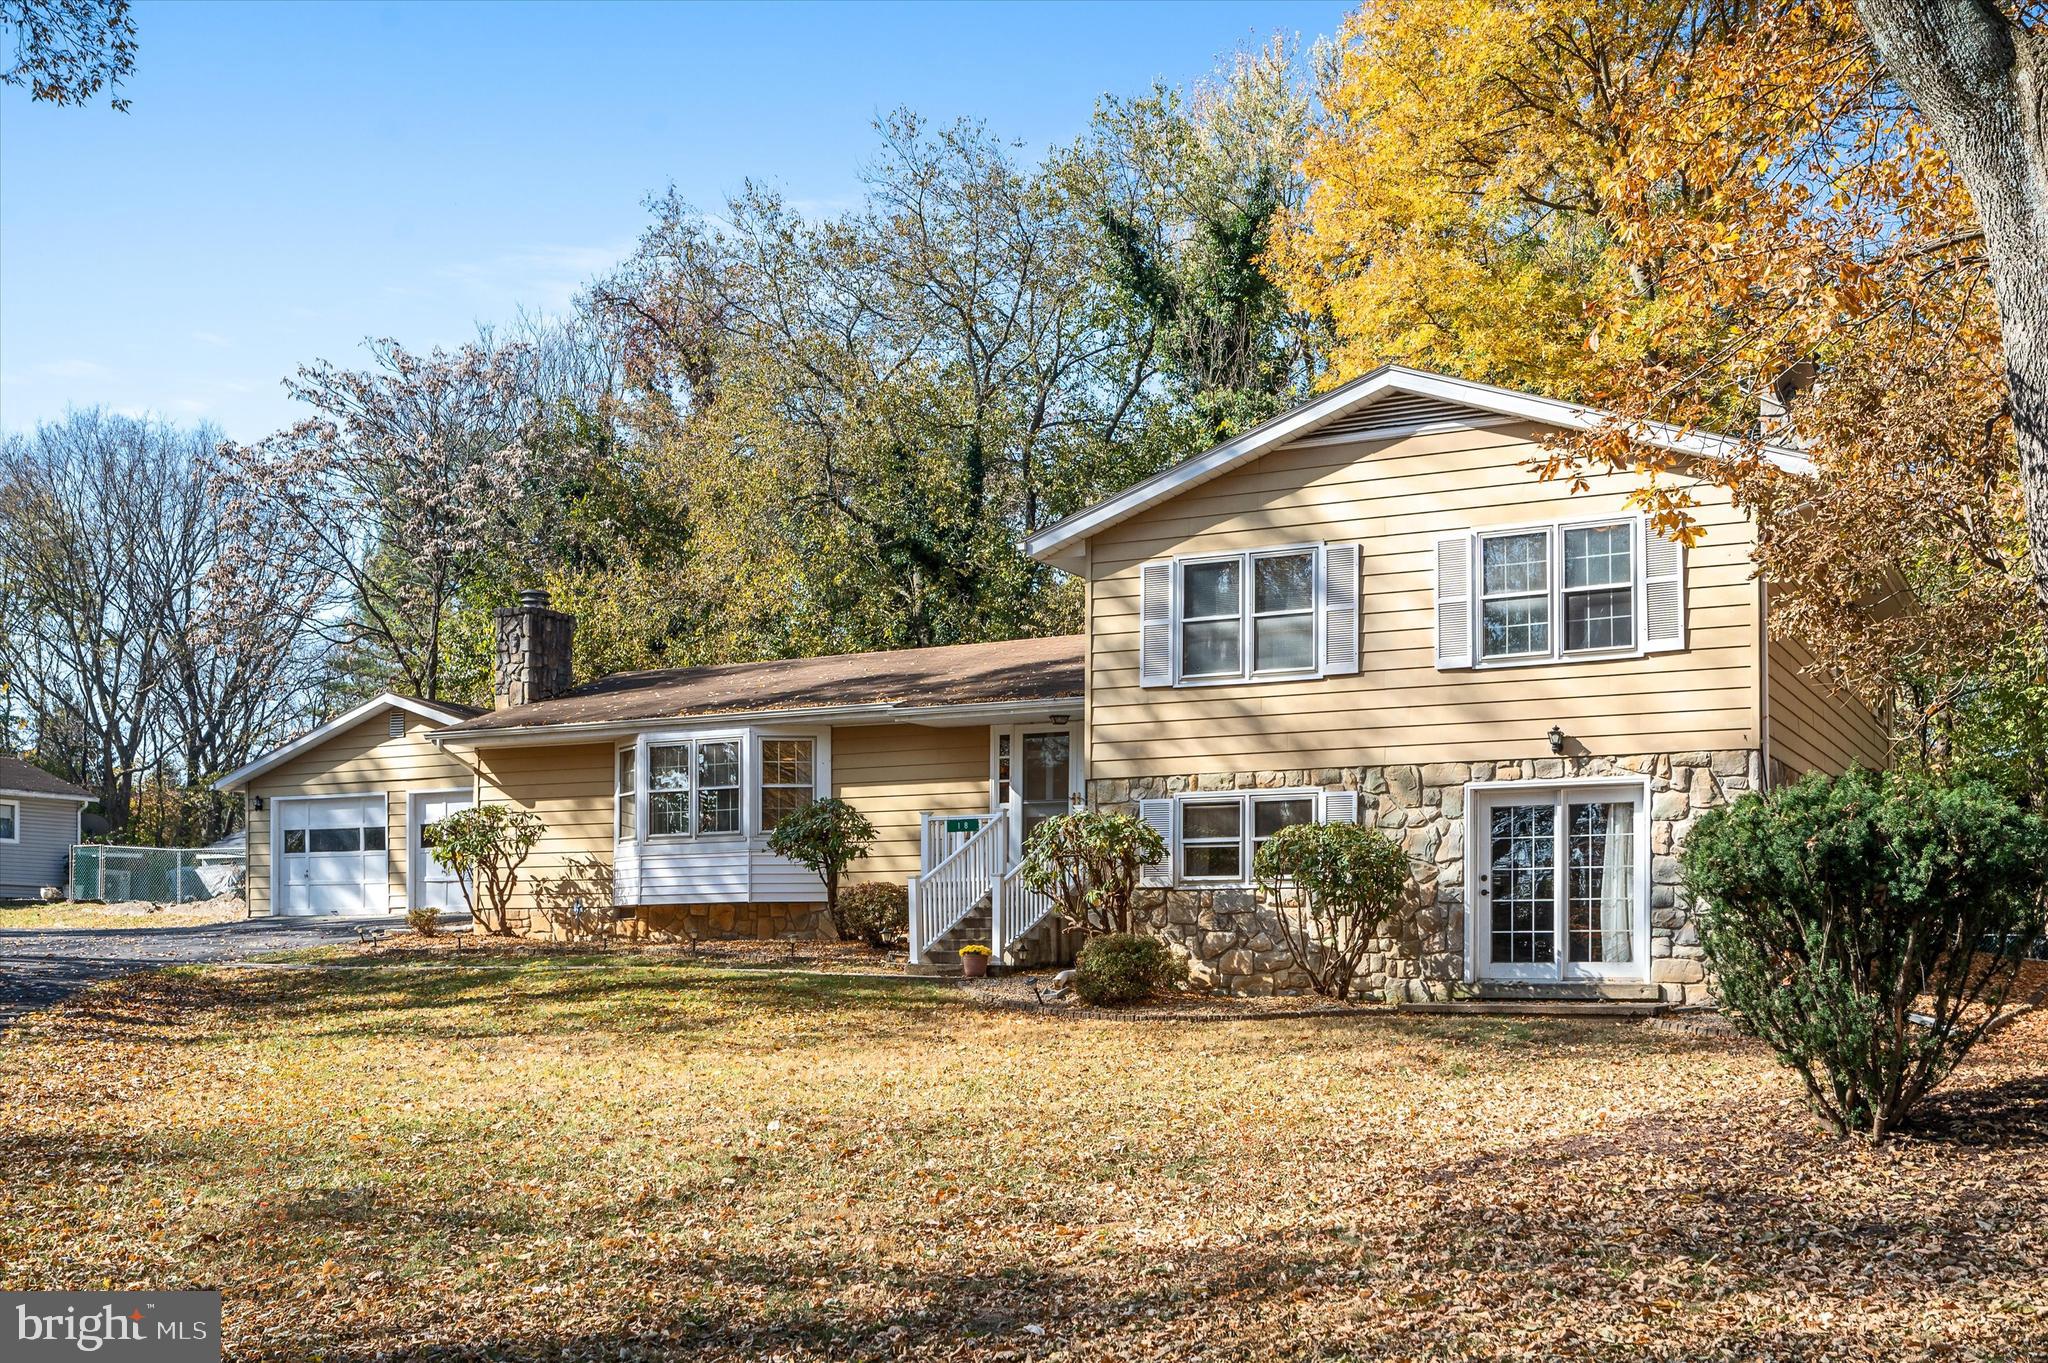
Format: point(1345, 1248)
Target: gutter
point(885, 712)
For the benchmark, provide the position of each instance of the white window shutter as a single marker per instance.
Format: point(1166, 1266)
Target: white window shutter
point(1340, 609)
point(1340, 806)
point(1158, 813)
point(1663, 593)
point(1155, 624)
point(1454, 601)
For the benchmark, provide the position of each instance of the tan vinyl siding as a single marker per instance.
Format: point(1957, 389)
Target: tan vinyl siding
point(570, 788)
point(894, 772)
point(362, 759)
point(1395, 498)
point(1814, 727)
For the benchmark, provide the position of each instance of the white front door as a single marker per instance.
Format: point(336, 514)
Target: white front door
point(331, 856)
point(1560, 892)
point(432, 884)
point(1036, 776)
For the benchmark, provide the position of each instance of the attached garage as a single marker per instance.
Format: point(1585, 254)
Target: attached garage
point(332, 853)
point(335, 816)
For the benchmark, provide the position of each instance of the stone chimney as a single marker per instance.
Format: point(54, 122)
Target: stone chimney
point(533, 652)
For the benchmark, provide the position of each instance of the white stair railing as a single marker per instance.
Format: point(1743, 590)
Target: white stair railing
point(947, 893)
point(1014, 911)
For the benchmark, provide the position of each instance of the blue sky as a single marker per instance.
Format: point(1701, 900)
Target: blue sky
point(295, 178)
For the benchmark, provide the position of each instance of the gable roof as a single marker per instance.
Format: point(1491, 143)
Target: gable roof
point(20, 778)
point(436, 712)
point(1392, 400)
point(868, 685)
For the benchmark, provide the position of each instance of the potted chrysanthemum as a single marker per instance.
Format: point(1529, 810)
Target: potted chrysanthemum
point(974, 961)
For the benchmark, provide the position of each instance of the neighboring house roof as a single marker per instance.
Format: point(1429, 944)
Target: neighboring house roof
point(439, 712)
point(897, 683)
point(19, 778)
point(1392, 400)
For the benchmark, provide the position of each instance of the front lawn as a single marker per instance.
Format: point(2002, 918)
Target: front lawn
point(539, 1160)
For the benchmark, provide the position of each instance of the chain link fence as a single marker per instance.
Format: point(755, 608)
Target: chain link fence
point(158, 875)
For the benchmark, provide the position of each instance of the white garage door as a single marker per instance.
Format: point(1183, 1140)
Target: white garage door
point(331, 856)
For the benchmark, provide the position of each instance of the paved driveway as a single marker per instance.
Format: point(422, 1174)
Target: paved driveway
point(38, 968)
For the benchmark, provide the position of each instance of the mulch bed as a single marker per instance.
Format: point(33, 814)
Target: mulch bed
point(453, 947)
point(1034, 993)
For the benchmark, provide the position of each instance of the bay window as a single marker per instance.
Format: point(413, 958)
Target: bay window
point(706, 788)
point(628, 797)
point(718, 786)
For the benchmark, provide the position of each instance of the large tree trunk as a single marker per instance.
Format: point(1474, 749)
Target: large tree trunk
point(1980, 78)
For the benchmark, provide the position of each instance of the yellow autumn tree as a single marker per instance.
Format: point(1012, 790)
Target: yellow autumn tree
point(1714, 215)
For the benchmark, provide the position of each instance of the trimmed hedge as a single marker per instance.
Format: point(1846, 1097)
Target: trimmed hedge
point(1125, 967)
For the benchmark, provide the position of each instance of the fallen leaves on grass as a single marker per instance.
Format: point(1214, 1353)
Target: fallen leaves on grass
point(532, 1162)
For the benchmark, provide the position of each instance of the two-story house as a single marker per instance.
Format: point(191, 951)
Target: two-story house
point(1367, 608)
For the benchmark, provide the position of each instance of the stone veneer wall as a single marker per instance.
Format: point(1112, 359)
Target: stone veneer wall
point(677, 922)
point(760, 922)
point(1229, 937)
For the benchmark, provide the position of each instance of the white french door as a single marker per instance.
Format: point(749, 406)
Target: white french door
point(431, 884)
point(1560, 889)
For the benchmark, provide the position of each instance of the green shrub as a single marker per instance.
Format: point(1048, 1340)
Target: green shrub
point(1087, 864)
point(1117, 968)
point(878, 912)
point(486, 845)
point(424, 919)
point(1868, 928)
point(825, 837)
point(1332, 887)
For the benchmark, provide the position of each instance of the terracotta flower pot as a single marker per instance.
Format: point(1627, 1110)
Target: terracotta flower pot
point(973, 965)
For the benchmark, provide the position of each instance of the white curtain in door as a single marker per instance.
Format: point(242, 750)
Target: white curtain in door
point(1617, 884)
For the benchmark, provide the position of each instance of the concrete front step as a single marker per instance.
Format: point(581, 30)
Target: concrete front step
point(1607, 991)
point(1536, 1008)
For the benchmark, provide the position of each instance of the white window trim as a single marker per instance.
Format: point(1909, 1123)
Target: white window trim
point(756, 790)
point(1245, 676)
point(1244, 800)
point(620, 798)
point(1475, 859)
point(1475, 613)
point(644, 774)
point(15, 822)
point(749, 740)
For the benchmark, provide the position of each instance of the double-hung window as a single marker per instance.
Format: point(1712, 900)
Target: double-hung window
point(693, 788)
point(628, 796)
point(1220, 835)
point(1599, 588)
point(1557, 591)
point(788, 778)
point(10, 821)
point(1248, 615)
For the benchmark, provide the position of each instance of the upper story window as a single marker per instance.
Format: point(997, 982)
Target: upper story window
point(1262, 613)
point(1536, 594)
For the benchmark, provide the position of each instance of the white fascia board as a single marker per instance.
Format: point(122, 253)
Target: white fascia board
point(421, 709)
point(1058, 544)
point(885, 713)
point(80, 800)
